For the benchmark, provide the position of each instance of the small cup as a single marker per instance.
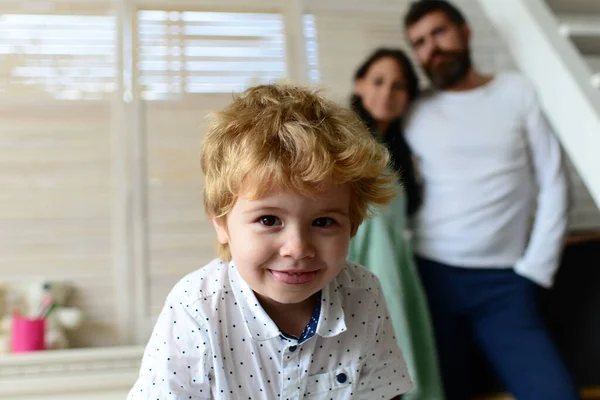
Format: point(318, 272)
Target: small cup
point(27, 334)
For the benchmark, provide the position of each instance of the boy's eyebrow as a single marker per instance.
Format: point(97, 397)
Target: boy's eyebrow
point(334, 210)
point(262, 208)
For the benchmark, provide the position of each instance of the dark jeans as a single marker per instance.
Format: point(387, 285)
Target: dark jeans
point(498, 310)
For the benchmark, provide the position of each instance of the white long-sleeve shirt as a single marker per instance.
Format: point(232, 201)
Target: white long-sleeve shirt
point(484, 155)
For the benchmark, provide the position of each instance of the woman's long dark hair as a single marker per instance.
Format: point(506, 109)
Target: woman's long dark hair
point(394, 137)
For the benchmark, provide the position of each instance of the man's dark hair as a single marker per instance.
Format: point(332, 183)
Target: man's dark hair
point(421, 8)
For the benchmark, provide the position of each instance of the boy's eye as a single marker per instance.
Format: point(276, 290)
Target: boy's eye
point(269, 220)
point(323, 222)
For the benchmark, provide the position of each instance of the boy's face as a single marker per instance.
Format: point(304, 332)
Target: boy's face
point(287, 246)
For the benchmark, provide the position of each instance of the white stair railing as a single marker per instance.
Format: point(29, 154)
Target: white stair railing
point(566, 84)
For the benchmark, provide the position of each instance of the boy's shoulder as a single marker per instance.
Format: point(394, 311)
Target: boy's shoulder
point(203, 283)
point(356, 277)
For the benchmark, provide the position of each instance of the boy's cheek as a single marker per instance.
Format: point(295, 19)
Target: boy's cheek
point(250, 247)
point(337, 250)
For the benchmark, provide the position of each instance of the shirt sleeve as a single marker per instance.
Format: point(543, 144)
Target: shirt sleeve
point(542, 255)
point(176, 359)
point(384, 374)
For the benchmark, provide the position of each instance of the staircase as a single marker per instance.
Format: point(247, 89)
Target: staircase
point(579, 21)
point(556, 43)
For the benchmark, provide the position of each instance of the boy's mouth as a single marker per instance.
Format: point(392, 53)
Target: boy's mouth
point(293, 277)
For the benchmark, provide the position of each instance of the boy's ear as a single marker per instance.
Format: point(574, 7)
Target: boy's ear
point(221, 228)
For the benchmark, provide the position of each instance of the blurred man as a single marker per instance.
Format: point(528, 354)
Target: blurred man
point(484, 148)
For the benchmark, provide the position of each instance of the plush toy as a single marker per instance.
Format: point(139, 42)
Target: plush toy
point(38, 298)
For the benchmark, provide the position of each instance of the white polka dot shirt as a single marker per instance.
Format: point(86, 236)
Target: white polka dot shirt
point(213, 340)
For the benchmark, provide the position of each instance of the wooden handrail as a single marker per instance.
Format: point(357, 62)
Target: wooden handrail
point(582, 237)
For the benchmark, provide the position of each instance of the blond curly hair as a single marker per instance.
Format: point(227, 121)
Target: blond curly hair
point(294, 139)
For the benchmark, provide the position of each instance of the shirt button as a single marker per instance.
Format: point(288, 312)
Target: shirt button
point(341, 378)
point(292, 348)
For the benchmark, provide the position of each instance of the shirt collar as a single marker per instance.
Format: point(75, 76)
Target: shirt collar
point(311, 328)
point(261, 327)
point(331, 320)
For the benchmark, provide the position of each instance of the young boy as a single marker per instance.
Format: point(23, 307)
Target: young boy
point(289, 177)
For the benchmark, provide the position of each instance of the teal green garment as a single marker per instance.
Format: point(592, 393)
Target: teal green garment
point(380, 245)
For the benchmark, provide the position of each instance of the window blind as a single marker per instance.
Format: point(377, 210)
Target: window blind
point(63, 57)
point(189, 52)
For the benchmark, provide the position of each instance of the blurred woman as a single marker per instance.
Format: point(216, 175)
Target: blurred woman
point(384, 88)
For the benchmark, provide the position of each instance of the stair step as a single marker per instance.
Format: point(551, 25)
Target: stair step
point(583, 30)
point(579, 6)
point(580, 25)
point(589, 46)
point(593, 62)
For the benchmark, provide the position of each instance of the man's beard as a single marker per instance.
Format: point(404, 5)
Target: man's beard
point(454, 66)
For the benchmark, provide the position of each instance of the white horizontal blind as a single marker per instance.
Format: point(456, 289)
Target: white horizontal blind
point(312, 52)
point(191, 52)
point(55, 204)
point(57, 70)
point(181, 238)
point(66, 57)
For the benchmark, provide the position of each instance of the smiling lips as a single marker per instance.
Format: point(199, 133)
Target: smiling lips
point(293, 278)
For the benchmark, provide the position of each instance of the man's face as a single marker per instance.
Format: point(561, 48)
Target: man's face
point(442, 47)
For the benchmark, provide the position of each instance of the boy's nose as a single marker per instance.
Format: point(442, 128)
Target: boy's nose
point(297, 245)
